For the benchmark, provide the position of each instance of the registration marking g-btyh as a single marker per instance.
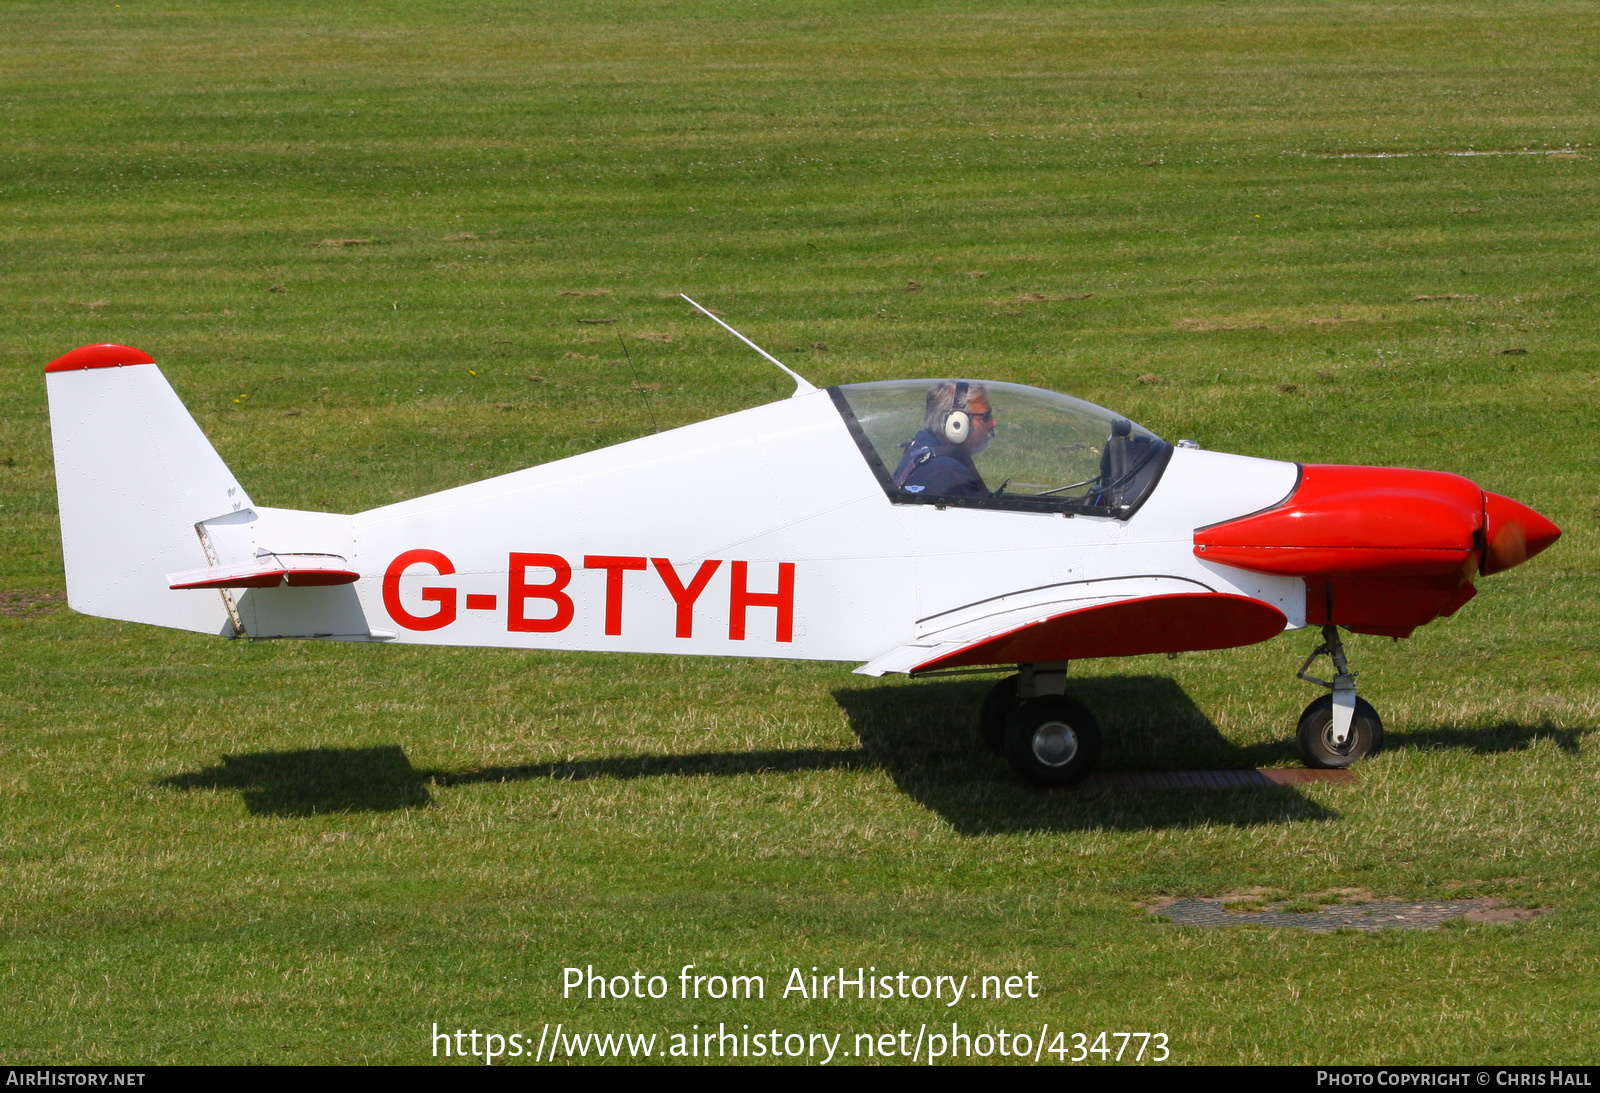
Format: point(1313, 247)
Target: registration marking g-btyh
point(538, 600)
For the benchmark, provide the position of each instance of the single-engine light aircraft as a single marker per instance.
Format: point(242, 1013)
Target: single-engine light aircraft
point(916, 526)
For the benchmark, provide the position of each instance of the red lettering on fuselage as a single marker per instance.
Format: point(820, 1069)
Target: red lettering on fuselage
point(444, 597)
point(562, 608)
point(520, 591)
point(740, 598)
point(615, 567)
point(685, 597)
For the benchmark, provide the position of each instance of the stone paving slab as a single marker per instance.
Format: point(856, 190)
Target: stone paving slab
point(1371, 916)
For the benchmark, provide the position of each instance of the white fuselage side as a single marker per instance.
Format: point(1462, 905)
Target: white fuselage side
point(781, 485)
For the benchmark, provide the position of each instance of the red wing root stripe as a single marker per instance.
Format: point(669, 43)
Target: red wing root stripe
point(1177, 623)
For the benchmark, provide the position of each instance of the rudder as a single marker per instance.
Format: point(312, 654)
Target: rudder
point(134, 475)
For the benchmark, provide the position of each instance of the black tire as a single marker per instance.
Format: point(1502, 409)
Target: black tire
point(1316, 727)
point(1052, 741)
point(995, 712)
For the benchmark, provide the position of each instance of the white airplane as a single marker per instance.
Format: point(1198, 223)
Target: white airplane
point(917, 526)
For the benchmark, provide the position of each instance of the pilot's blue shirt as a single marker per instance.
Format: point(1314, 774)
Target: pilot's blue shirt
point(936, 469)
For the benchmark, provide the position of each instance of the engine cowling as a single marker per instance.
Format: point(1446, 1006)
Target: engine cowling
point(1382, 550)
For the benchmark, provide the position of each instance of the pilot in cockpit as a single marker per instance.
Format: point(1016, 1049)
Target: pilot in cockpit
point(957, 424)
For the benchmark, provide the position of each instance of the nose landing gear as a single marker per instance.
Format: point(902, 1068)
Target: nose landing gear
point(1339, 728)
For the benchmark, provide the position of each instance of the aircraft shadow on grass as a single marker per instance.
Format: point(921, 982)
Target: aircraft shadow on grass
point(923, 737)
point(382, 779)
point(315, 780)
point(1503, 737)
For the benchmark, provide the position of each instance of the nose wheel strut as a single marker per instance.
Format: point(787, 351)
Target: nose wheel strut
point(1338, 728)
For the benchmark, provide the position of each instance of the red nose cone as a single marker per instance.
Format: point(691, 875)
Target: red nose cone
point(1514, 532)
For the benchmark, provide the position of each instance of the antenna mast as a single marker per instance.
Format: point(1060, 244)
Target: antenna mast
point(800, 384)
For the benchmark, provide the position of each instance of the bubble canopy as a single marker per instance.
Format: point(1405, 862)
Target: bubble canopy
point(1039, 451)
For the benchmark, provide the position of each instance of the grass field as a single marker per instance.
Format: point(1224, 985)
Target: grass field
point(361, 243)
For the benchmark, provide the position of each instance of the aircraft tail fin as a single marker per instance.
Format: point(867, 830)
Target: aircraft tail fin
point(134, 478)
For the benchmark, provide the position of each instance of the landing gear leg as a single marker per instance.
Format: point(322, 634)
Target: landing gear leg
point(1031, 681)
point(1339, 728)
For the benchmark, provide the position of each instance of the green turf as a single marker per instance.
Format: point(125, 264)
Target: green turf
point(277, 852)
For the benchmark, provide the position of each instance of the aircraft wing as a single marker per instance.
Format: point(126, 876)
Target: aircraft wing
point(1115, 617)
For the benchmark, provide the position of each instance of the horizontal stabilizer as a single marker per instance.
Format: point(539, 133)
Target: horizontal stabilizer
point(270, 571)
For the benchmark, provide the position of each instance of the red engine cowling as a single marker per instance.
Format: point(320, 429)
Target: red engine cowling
point(1382, 550)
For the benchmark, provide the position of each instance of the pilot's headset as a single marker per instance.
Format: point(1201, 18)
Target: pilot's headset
point(957, 420)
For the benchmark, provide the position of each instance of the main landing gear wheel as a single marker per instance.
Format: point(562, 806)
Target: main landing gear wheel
point(1316, 735)
point(1052, 741)
point(997, 707)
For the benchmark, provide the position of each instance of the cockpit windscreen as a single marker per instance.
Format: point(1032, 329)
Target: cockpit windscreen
point(1001, 445)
